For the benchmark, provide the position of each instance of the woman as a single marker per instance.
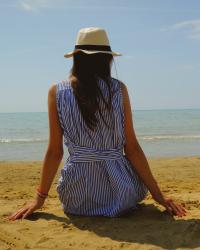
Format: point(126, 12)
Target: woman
point(92, 111)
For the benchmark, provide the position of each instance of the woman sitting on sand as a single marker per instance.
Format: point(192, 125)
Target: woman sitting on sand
point(92, 112)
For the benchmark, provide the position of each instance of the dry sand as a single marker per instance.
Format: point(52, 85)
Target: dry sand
point(151, 227)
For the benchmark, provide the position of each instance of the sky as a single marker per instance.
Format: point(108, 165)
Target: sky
point(159, 40)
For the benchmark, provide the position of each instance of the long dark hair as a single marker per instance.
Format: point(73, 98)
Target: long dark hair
point(84, 76)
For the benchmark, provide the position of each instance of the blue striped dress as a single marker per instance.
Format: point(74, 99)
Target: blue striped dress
point(97, 179)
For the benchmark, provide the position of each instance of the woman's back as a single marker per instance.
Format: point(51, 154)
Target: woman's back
point(97, 179)
point(75, 130)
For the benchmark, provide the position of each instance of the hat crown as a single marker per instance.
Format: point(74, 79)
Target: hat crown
point(92, 36)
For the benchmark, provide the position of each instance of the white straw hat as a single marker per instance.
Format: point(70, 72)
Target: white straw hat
point(92, 40)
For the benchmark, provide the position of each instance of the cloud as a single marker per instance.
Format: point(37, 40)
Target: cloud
point(37, 5)
point(190, 27)
point(33, 5)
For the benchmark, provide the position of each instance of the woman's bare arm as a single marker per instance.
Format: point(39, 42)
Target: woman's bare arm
point(51, 161)
point(54, 152)
point(136, 156)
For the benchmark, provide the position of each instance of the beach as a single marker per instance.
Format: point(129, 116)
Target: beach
point(149, 227)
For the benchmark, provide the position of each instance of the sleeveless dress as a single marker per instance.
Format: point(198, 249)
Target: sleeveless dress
point(97, 179)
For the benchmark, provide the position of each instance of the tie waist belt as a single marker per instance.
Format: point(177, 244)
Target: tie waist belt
point(86, 154)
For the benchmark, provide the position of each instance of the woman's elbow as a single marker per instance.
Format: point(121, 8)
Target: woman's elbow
point(55, 153)
point(132, 148)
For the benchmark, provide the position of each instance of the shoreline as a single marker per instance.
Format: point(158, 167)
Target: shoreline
point(150, 227)
point(148, 158)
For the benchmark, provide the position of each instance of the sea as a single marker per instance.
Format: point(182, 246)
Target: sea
point(161, 133)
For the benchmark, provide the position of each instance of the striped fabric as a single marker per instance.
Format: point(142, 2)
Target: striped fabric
point(97, 179)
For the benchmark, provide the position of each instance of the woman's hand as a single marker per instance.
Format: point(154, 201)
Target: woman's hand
point(27, 209)
point(172, 207)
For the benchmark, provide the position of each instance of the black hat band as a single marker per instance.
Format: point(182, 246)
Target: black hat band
point(94, 47)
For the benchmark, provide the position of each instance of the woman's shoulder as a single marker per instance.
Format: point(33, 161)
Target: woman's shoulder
point(63, 85)
point(119, 84)
point(57, 88)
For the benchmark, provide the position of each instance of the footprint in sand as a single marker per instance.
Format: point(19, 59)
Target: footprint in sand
point(23, 229)
point(43, 239)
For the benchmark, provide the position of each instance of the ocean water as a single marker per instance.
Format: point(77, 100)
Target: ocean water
point(24, 136)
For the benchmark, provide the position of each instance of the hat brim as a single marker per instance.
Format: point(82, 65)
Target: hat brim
point(70, 54)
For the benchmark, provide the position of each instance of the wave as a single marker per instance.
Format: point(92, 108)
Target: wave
point(22, 140)
point(169, 137)
point(140, 137)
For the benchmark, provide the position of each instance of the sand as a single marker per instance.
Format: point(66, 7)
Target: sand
point(151, 227)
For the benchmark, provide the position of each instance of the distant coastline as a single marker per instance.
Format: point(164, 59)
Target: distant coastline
point(154, 109)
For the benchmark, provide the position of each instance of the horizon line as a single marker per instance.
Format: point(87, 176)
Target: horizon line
point(11, 112)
